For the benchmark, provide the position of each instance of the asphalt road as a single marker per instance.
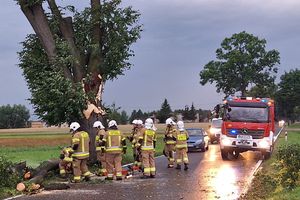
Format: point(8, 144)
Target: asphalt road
point(209, 177)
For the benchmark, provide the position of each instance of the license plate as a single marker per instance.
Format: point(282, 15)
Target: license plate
point(244, 140)
point(190, 145)
point(244, 137)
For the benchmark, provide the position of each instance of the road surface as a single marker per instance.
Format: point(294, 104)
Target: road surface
point(209, 177)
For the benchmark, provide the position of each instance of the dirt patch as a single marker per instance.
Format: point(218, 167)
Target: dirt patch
point(34, 142)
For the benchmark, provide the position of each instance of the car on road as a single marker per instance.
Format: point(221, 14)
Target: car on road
point(215, 129)
point(198, 139)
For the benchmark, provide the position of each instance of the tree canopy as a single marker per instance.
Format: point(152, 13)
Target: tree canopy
point(241, 60)
point(164, 112)
point(69, 58)
point(15, 116)
point(288, 95)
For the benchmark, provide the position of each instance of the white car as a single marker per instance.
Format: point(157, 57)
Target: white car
point(215, 129)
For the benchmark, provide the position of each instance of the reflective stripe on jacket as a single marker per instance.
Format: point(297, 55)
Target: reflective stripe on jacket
point(181, 139)
point(82, 140)
point(114, 140)
point(148, 136)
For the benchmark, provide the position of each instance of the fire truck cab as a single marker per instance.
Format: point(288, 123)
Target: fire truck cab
point(248, 124)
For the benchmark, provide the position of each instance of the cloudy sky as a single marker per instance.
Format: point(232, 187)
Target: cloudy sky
point(179, 38)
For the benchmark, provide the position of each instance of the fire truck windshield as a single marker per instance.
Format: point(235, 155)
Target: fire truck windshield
point(248, 114)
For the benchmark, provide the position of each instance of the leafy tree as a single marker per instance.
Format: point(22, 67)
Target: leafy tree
point(140, 114)
point(288, 95)
point(113, 113)
point(241, 60)
point(15, 116)
point(192, 113)
point(69, 58)
point(185, 112)
point(164, 112)
point(263, 91)
point(124, 117)
point(132, 116)
point(204, 115)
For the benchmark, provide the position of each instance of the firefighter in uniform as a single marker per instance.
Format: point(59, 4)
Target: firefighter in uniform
point(146, 142)
point(80, 145)
point(65, 163)
point(133, 138)
point(181, 146)
point(100, 147)
point(170, 142)
point(115, 144)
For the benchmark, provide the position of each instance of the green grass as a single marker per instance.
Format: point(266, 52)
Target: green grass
point(286, 195)
point(32, 156)
point(295, 125)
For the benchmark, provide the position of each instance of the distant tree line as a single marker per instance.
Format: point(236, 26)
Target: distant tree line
point(15, 116)
point(187, 113)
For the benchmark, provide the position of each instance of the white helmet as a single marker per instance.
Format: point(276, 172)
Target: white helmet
point(98, 124)
point(112, 123)
point(170, 121)
point(74, 126)
point(139, 122)
point(148, 123)
point(135, 122)
point(180, 125)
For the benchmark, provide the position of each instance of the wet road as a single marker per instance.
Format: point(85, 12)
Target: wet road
point(209, 177)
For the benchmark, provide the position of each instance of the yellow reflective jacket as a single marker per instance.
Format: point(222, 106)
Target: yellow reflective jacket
point(81, 139)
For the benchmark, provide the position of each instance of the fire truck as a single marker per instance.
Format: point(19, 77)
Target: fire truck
point(248, 124)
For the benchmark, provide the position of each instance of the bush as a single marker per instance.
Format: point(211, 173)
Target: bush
point(8, 178)
point(288, 165)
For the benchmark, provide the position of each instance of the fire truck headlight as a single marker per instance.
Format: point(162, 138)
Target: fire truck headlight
point(264, 144)
point(226, 142)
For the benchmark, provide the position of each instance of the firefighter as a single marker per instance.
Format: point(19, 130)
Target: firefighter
point(80, 145)
point(133, 138)
point(65, 163)
point(170, 142)
point(181, 146)
point(147, 142)
point(115, 145)
point(100, 147)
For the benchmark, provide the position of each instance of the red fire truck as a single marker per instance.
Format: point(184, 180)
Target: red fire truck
point(248, 124)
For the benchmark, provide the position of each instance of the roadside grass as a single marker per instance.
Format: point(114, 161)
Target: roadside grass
point(264, 185)
point(32, 155)
point(295, 125)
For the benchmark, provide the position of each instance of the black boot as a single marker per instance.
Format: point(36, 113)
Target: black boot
point(186, 167)
point(178, 166)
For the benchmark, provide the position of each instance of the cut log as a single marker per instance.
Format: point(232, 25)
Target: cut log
point(41, 171)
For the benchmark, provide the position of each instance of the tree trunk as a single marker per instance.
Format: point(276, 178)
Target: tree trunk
point(87, 125)
point(41, 171)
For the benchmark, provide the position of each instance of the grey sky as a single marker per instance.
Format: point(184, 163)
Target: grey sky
point(179, 38)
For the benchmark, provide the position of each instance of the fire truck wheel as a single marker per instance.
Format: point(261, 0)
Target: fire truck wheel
point(266, 155)
point(235, 154)
point(224, 154)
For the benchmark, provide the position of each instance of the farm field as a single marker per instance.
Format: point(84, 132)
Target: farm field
point(40, 144)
